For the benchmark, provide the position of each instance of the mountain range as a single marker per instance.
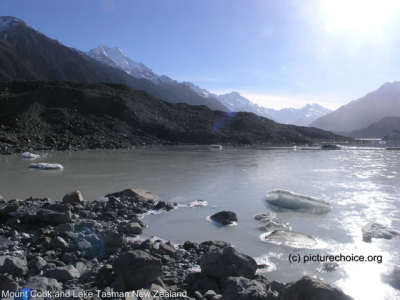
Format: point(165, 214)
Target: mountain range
point(377, 129)
point(30, 55)
point(360, 113)
point(115, 57)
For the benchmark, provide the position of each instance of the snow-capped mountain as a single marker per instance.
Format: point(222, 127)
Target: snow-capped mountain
point(302, 116)
point(115, 57)
point(236, 102)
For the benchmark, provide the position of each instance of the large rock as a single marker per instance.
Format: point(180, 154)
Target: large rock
point(135, 193)
point(63, 274)
point(225, 217)
point(15, 265)
point(114, 239)
point(8, 284)
point(311, 289)
point(227, 262)
point(5, 243)
point(240, 288)
point(53, 217)
point(138, 268)
point(378, 231)
point(37, 264)
point(42, 284)
point(133, 228)
point(73, 198)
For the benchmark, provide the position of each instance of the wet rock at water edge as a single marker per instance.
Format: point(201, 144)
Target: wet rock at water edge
point(378, 231)
point(73, 198)
point(227, 262)
point(311, 289)
point(225, 217)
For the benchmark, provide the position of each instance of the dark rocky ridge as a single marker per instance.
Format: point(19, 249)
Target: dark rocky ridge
point(62, 115)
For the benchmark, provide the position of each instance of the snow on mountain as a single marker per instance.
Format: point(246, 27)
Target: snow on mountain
point(301, 117)
point(236, 102)
point(6, 22)
point(116, 58)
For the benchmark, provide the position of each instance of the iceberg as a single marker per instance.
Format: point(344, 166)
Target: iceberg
point(46, 166)
point(30, 155)
point(281, 200)
point(289, 238)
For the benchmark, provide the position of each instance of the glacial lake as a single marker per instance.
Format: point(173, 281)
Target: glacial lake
point(362, 184)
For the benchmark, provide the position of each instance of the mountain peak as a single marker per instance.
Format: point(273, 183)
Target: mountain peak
point(7, 22)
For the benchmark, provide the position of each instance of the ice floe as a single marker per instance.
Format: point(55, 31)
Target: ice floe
point(281, 200)
point(46, 166)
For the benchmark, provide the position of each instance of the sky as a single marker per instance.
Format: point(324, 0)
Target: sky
point(277, 53)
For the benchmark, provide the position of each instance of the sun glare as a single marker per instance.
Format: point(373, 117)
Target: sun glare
point(360, 15)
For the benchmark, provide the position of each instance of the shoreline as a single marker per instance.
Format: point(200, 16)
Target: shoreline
point(92, 247)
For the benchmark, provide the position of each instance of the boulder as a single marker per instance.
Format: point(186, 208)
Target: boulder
point(73, 198)
point(58, 242)
point(8, 284)
point(5, 243)
point(37, 264)
point(15, 266)
point(378, 231)
point(133, 228)
point(135, 193)
point(114, 239)
point(42, 284)
point(53, 217)
point(138, 268)
point(225, 217)
point(63, 274)
point(227, 262)
point(240, 288)
point(311, 289)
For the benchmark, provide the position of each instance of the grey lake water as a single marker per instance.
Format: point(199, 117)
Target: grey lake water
point(362, 184)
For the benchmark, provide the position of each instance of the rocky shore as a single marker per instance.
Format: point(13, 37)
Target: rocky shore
point(77, 249)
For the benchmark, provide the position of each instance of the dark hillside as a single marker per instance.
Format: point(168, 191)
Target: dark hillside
point(69, 115)
point(26, 54)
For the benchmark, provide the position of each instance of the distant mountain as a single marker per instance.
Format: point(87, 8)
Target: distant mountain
point(358, 114)
point(378, 129)
point(30, 55)
point(66, 115)
point(302, 116)
point(236, 102)
point(233, 101)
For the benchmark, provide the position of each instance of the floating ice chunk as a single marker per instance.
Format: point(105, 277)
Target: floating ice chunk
point(289, 238)
point(30, 155)
point(46, 166)
point(198, 203)
point(281, 200)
